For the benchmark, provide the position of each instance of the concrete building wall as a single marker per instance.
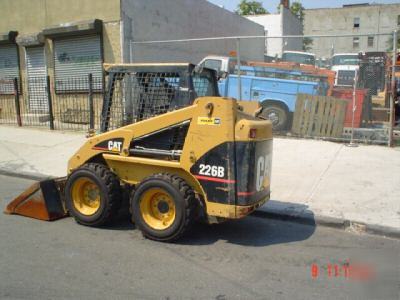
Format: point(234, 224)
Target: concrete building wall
point(291, 25)
point(339, 21)
point(281, 24)
point(30, 17)
point(184, 19)
point(272, 27)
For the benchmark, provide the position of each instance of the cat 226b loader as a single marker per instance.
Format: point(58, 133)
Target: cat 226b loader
point(167, 139)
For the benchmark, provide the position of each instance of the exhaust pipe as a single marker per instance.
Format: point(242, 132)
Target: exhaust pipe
point(44, 200)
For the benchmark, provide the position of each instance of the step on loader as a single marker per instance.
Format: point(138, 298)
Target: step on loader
point(166, 138)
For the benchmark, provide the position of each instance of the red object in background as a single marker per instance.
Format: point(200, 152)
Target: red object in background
point(347, 94)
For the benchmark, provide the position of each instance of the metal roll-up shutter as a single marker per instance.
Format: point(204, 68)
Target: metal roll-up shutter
point(36, 79)
point(9, 68)
point(74, 59)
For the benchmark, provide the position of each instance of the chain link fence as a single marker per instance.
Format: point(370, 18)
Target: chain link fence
point(339, 88)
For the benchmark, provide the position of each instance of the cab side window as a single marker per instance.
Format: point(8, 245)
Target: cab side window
point(213, 64)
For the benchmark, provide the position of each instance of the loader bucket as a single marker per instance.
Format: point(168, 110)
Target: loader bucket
point(43, 200)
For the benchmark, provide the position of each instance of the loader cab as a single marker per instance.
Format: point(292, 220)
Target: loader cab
point(141, 91)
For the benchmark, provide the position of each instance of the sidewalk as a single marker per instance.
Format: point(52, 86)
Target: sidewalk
point(337, 184)
point(37, 151)
point(319, 180)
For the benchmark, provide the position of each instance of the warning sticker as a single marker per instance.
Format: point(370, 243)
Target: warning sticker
point(208, 121)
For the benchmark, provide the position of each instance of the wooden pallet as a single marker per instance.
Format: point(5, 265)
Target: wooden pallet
point(318, 116)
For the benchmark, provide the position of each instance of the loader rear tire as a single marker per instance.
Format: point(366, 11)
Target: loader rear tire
point(163, 207)
point(93, 195)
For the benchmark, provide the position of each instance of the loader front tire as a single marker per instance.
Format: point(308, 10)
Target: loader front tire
point(93, 195)
point(163, 207)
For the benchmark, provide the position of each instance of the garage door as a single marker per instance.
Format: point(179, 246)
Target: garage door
point(36, 79)
point(74, 59)
point(8, 67)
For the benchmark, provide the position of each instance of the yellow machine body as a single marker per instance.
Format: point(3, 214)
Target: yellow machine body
point(213, 121)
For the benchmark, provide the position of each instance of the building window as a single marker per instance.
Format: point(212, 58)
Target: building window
point(356, 42)
point(356, 23)
point(370, 41)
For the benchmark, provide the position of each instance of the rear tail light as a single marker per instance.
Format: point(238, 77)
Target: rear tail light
point(253, 133)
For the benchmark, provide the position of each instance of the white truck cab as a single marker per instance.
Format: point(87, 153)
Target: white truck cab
point(222, 64)
point(346, 65)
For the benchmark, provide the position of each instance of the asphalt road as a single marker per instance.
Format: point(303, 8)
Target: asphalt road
point(253, 258)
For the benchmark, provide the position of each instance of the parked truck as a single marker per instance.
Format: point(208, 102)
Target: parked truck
point(307, 72)
point(276, 95)
point(346, 65)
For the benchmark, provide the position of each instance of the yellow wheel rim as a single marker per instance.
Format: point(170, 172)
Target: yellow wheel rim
point(157, 208)
point(86, 196)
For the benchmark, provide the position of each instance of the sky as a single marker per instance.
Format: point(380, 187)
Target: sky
point(271, 5)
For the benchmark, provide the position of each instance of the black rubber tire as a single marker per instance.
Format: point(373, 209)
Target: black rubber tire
point(281, 123)
point(185, 206)
point(110, 194)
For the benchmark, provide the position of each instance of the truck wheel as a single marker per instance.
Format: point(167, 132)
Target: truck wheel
point(163, 207)
point(277, 115)
point(93, 195)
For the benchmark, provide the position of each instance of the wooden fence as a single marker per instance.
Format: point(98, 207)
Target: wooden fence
point(319, 116)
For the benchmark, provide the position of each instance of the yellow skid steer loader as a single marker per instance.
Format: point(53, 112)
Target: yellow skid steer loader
point(180, 151)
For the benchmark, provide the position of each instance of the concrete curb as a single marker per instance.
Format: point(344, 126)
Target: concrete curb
point(304, 218)
point(326, 221)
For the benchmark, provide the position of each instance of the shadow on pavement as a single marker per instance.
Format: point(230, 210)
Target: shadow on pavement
point(257, 230)
point(260, 229)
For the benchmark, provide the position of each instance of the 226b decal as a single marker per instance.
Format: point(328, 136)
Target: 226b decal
point(213, 171)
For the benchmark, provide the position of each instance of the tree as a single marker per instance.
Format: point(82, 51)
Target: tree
point(389, 43)
point(298, 10)
point(246, 8)
point(307, 44)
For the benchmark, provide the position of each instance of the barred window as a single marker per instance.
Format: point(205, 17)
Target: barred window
point(370, 41)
